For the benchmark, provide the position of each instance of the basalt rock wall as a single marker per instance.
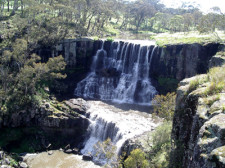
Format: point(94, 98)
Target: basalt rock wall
point(77, 52)
point(63, 123)
point(198, 132)
point(176, 61)
point(182, 60)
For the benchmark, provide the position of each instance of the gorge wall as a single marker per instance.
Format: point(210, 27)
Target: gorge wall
point(198, 127)
point(168, 63)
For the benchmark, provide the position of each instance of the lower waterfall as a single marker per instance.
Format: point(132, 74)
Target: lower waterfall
point(120, 73)
point(119, 125)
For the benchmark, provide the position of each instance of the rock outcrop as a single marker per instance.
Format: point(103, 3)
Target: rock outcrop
point(77, 52)
point(61, 122)
point(198, 126)
point(6, 161)
point(182, 60)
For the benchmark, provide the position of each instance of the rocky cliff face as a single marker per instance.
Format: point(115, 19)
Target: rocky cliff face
point(182, 60)
point(198, 127)
point(174, 62)
point(171, 61)
point(77, 52)
point(62, 122)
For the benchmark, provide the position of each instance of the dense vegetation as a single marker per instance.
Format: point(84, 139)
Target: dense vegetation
point(72, 18)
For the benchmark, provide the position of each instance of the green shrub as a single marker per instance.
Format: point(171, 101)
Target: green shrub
point(96, 38)
point(164, 106)
point(110, 39)
point(160, 145)
point(137, 159)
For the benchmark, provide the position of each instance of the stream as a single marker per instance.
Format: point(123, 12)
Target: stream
point(117, 122)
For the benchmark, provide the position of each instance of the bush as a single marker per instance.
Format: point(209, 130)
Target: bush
point(106, 150)
point(136, 159)
point(110, 39)
point(164, 106)
point(160, 145)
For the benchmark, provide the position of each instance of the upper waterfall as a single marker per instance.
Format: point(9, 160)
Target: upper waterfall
point(120, 73)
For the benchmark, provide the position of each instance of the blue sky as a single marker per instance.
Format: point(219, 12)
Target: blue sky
point(205, 5)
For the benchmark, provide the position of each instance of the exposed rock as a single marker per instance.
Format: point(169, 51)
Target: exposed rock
point(68, 151)
point(182, 60)
point(23, 165)
point(1, 155)
point(55, 120)
point(217, 60)
point(198, 128)
point(76, 151)
point(129, 146)
point(5, 166)
point(79, 105)
point(7, 161)
point(87, 157)
point(50, 152)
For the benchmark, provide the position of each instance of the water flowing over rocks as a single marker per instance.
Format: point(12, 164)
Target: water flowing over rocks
point(119, 72)
point(107, 121)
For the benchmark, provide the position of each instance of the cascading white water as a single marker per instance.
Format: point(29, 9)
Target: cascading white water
point(121, 75)
point(108, 121)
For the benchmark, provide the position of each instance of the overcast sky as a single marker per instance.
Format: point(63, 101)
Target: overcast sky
point(205, 5)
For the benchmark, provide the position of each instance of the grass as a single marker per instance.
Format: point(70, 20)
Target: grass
point(193, 86)
point(210, 101)
point(187, 38)
point(215, 82)
point(216, 77)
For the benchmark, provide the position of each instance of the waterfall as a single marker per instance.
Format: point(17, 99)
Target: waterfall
point(108, 121)
point(119, 74)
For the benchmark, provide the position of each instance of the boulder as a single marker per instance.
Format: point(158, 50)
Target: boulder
point(23, 165)
point(69, 151)
point(7, 161)
point(75, 151)
point(50, 152)
point(87, 157)
point(78, 105)
point(1, 155)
